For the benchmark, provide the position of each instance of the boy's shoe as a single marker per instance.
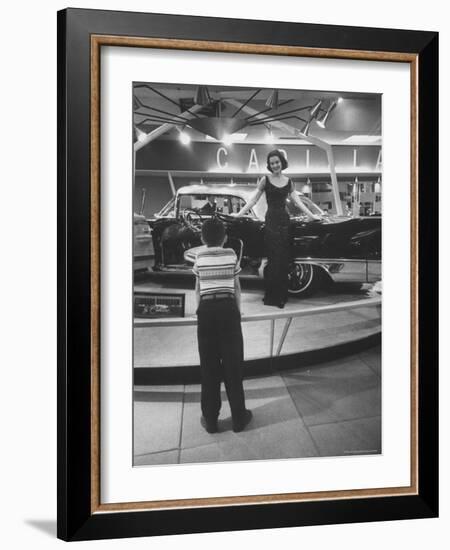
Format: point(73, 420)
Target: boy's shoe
point(240, 424)
point(209, 425)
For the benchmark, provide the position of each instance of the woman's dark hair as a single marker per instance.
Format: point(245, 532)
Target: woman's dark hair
point(213, 232)
point(279, 154)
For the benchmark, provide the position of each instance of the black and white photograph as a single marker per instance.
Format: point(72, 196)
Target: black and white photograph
point(229, 213)
point(263, 209)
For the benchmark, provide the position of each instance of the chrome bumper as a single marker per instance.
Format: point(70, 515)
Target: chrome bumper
point(347, 270)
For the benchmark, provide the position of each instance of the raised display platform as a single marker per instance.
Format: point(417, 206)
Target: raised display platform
point(340, 320)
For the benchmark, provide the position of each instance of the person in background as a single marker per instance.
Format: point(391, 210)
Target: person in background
point(219, 332)
point(209, 207)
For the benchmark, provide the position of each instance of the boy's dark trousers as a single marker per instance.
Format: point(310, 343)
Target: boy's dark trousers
point(221, 354)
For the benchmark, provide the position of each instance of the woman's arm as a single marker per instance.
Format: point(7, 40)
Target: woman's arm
point(299, 203)
point(253, 200)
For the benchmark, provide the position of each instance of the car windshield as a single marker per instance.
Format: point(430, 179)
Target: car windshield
point(168, 211)
point(209, 204)
point(312, 207)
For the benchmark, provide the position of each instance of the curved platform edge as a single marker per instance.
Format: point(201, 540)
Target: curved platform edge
point(190, 374)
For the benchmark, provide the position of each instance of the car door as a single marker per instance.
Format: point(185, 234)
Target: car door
point(247, 229)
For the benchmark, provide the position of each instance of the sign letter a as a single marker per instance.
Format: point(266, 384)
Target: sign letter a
point(253, 162)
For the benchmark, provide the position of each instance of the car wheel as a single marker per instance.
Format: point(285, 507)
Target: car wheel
point(303, 279)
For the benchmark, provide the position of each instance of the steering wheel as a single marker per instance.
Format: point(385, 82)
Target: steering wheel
point(225, 217)
point(192, 218)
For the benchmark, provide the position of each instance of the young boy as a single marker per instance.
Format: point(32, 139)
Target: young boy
point(219, 328)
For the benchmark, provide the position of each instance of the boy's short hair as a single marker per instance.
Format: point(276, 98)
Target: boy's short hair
point(213, 232)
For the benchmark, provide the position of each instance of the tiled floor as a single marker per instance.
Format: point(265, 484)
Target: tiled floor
point(331, 409)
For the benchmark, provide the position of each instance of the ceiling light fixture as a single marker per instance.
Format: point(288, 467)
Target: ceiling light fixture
point(238, 136)
point(273, 100)
point(305, 130)
point(322, 121)
point(140, 135)
point(202, 96)
point(315, 109)
point(227, 139)
point(184, 137)
point(218, 127)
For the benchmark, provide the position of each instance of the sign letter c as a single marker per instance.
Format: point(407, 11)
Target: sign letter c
point(219, 162)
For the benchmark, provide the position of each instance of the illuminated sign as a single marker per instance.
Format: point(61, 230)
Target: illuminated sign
point(251, 159)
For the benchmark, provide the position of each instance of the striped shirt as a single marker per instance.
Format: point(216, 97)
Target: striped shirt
point(216, 268)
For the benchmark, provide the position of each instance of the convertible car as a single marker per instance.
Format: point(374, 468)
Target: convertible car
point(338, 248)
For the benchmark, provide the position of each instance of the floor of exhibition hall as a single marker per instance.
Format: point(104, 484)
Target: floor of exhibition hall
point(330, 407)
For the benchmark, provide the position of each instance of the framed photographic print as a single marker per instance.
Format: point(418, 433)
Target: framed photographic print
point(253, 203)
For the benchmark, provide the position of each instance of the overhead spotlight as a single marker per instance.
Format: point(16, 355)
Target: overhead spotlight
point(184, 137)
point(202, 96)
point(322, 121)
point(227, 139)
point(273, 100)
point(305, 130)
point(140, 135)
point(315, 109)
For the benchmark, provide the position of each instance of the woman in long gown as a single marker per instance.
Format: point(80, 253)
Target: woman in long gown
point(277, 188)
